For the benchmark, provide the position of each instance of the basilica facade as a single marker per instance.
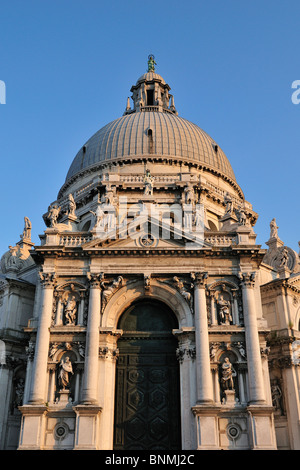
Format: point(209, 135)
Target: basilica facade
point(148, 318)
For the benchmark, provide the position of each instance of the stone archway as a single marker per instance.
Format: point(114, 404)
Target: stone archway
point(147, 405)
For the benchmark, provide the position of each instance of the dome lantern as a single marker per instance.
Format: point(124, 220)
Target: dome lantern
point(151, 92)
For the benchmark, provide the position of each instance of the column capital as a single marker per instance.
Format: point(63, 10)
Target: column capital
point(94, 279)
point(247, 279)
point(48, 280)
point(199, 279)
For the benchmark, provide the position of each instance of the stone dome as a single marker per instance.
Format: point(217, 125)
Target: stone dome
point(151, 134)
point(150, 76)
point(151, 130)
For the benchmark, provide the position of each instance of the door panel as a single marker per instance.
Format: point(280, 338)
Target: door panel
point(147, 411)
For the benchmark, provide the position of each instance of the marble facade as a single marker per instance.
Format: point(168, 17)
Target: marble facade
point(153, 221)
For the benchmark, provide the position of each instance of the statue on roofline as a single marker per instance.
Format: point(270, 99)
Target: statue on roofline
point(151, 63)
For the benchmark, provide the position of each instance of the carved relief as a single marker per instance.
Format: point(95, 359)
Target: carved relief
point(181, 287)
point(183, 352)
point(108, 353)
point(47, 280)
point(30, 350)
point(283, 257)
point(109, 288)
point(247, 279)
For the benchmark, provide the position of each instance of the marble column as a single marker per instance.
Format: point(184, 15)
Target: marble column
point(255, 372)
point(204, 376)
point(186, 355)
point(39, 376)
point(89, 392)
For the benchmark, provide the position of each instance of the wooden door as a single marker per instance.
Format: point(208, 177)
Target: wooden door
point(147, 409)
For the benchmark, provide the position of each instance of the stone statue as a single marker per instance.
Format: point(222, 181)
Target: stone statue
point(228, 373)
point(229, 204)
point(65, 368)
point(284, 258)
point(151, 63)
point(189, 194)
point(99, 216)
point(198, 219)
point(53, 212)
point(27, 229)
point(274, 229)
point(148, 180)
point(277, 398)
point(14, 258)
point(110, 290)
point(224, 312)
point(19, 392)
point(109, 195)
point(70, 310)
point(71, 205)
point(185, 294)
point(242, 217)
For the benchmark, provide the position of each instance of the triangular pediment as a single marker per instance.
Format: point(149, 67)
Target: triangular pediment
point(145, 233)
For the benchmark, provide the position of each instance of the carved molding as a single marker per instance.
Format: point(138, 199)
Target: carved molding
point(200, 279)
point(94, 279)
point(108, 353)
point(48, 280)
point(247, 280)
point(182, 353)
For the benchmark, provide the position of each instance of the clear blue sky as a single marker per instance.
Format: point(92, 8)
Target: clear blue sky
point(68, 66)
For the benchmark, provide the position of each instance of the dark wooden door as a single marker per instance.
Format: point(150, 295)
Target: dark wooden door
point(147, 408)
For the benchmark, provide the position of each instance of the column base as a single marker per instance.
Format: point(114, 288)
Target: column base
point(232, 426)
point(87, 427)
point(207, 426)
point(32, 427)
point(261, 426)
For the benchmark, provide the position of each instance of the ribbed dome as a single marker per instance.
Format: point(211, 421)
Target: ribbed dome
point(148, 76)
point(172, 137)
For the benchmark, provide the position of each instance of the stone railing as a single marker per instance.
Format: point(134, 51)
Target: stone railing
point(75, 240)
point(79, 239)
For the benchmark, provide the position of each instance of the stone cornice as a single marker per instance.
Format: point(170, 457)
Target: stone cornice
point(103, 166)
point(280, 284)
point(208, 252)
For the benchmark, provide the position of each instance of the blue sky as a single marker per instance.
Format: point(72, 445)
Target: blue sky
point(68, 66)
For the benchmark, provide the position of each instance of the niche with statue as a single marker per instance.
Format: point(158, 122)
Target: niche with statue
point(224, 304)
point(65, 378)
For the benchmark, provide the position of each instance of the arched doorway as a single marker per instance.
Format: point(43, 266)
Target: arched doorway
point(147, 406)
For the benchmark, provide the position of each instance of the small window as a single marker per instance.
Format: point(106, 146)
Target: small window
point(150, 141)
point(149, 97)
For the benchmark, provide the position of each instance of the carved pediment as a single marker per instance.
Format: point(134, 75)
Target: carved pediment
point(149, 234)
